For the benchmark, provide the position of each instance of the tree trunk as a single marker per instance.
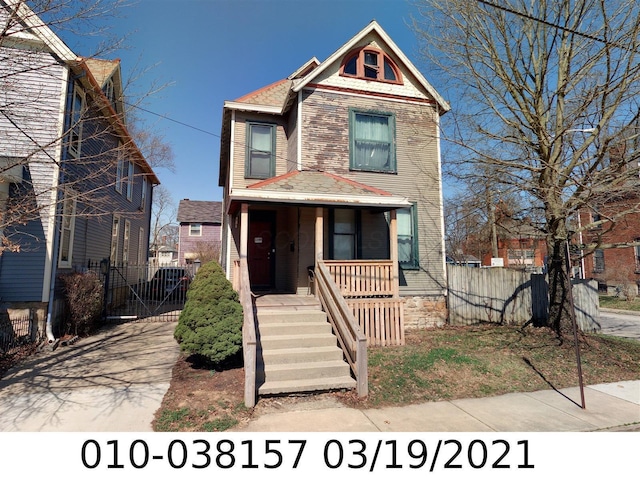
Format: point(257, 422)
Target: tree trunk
point(560, 313)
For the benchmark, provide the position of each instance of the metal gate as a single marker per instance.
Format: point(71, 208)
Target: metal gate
point(144, 292)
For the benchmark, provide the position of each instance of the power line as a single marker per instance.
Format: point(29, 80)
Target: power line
point(548, 23)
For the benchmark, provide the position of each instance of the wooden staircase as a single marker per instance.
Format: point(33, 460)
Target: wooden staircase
point(297, 350)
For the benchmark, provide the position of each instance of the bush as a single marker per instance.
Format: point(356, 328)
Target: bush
point(210, 325)
point(83, 294)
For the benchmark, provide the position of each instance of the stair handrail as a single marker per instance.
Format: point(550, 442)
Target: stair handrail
point(351, 339)
point(249, 343)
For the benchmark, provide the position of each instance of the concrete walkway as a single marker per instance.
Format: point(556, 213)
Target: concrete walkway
point(112, 381)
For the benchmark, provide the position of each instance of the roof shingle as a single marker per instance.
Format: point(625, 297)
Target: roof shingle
point(199, 211)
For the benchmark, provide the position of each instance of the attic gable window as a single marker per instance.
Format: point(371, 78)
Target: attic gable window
point(370, 64)
point(109, 92)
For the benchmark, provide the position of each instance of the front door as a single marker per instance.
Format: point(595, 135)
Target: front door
point(261, 250)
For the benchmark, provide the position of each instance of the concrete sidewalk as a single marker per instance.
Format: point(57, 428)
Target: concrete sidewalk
point(614, 406)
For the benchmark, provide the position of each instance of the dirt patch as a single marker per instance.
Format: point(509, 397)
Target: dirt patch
point(435, 364)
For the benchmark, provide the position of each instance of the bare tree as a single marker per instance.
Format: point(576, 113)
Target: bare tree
point(163, 219)
point(30, 138)
point(546, 97)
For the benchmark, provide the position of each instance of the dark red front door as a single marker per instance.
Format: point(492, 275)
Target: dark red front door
point(261, 250)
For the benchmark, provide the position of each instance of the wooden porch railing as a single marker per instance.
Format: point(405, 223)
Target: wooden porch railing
point(249, 348)
point(363, 278)
point(372, 293)
point(350, 337)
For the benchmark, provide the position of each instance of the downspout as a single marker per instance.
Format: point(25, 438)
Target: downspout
point(56, 230)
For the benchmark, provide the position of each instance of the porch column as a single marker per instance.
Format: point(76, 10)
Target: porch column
point(393, 250)
point(244, 231)
point(319, 233)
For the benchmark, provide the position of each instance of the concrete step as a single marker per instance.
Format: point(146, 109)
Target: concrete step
point(306, 385)
point(299, 355)
point(293, 341)
point(290, 316)
point(294, 328)
point(304, 371)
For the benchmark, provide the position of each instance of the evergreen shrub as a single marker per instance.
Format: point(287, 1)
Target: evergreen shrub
point(210, 325)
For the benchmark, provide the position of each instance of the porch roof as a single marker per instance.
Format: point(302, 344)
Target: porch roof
point(317, 188)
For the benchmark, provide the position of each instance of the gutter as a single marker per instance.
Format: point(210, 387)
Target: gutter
point(56, 229)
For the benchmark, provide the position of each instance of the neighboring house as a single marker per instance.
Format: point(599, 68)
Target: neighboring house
point(200, 231)
point(607, 260)
point(520, 246)
point(339, 163)
point(163, 255)
point(70, 159)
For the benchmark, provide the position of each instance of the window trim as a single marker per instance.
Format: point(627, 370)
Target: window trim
point(76, 122)
point(115, 239)
point(359, 54)
point(393, 166)
point(68, 202)
point(199, 234)
point(126, 241)
point(130, 175)
point(143, 195)
point(415, 244)
point(247, 162)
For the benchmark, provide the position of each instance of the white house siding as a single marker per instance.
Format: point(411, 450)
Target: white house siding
point(409, 87)
point(31, 89)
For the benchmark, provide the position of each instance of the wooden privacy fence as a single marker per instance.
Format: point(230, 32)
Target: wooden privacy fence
point(512, 297)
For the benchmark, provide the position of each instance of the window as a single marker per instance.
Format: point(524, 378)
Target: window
point(75, 129)
point(261, 150)
point(372, 141)
point(109, 92)
point(519, 256)
point(637, 254)
point(143, 198)
point(125, 243)
point(120, 169)
point(407, 224)
point(371, 64)
point(141, 259)
point(598, 261)
point(130, 181)
point(67, 229)
point(195, 229)
point(115, 235)
point(344, 226)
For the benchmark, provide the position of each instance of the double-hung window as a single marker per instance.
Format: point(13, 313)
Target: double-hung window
point(75, 128)
point(372, 141)
point(261, 150)
point(195, 229)
point(67, 230)
point(130, 172)
point(407, 225)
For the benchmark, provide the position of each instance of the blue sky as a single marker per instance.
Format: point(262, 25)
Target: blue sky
point(216, 50)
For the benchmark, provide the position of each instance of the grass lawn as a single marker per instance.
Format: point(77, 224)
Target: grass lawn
point(607, 301)
point(435, 364)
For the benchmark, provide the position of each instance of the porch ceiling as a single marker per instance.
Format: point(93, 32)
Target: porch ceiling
point(317, 188)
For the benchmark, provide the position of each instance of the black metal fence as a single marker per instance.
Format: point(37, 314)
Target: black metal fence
point(143, 292)
point(17, 332)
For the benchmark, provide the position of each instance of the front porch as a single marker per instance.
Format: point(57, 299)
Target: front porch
point(339, 252)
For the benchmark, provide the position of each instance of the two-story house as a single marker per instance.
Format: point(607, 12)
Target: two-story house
point(76, 189)
point(336, 168)
point(199, 235)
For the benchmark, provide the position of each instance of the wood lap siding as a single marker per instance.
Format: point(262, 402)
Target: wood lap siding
point(31, 99)
point(325, 130)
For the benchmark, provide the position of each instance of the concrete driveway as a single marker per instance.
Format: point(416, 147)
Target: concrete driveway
point(112, 381)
